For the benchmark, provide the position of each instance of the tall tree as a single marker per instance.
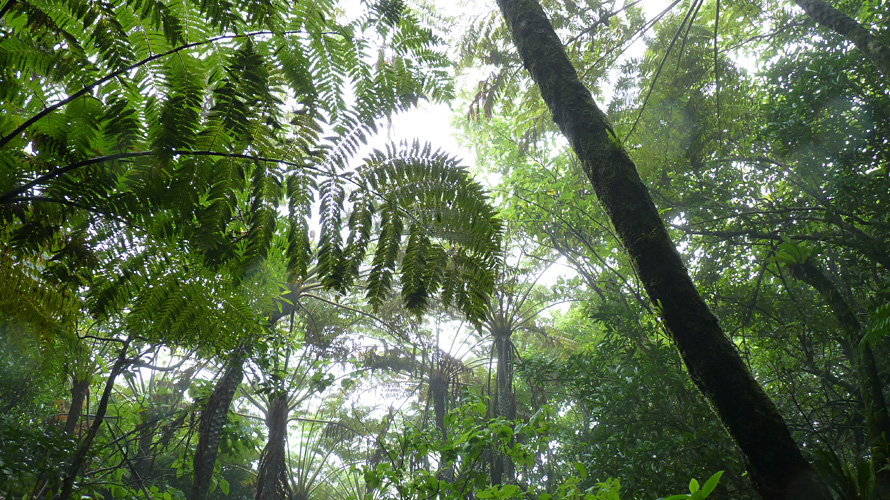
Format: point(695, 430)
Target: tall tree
point(776, 465)
point(213, 419)
point(871, 46)
point(870, 386)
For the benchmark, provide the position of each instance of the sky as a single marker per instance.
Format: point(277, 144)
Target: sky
point(432, 122)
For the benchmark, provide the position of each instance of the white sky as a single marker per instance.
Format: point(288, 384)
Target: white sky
point(432, 122)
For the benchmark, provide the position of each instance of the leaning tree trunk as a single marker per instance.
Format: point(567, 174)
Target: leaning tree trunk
point(272, 482)
point(83, 449)
point(877, 418)
point(776, 465)
point(213, 419)
point(844, 25)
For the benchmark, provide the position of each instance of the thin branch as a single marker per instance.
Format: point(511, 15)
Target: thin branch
point(143, 364)
point(80, 93)
point(11, 195)
point(658, 71)
point(130, 466)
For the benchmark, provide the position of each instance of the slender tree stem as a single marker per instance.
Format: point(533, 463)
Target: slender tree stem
point(80, 456)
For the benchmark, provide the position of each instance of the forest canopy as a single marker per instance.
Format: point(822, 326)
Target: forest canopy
point(661, 270)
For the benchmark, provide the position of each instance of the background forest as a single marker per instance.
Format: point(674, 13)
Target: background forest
point(218, 280)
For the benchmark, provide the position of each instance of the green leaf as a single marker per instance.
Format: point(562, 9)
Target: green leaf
point(582, 471)
point(711, 483)
point(488, 493)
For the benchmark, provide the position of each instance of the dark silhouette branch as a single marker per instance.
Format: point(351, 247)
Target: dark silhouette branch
point(111, 76)
point(12, 195)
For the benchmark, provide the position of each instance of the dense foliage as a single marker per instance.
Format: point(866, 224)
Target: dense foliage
point(211, 286)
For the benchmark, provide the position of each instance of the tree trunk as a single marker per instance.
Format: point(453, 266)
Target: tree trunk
point(79, 390)
point(877, 418)
point(213, 419)
point(847, 27)
point(272, 481)
point(776, 466)
point(438, 386)
point(80, 456)
point(504, 402)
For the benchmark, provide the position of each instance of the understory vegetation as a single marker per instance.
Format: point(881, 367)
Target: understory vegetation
point(218, 280)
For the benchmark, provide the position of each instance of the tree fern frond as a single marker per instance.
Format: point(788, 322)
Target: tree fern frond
point(386, 254)
point(412, 278)
point(453, 233)
point(179, 113)
point(331, 261)
point(161, 16)
point(157, 132)
point(29, 300)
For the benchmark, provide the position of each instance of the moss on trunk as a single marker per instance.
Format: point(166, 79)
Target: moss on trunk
point(776, 466)
point(213, 419)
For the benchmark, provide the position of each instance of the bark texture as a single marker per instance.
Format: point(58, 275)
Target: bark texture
point(846, 26)
point(272, 481)
point(776, 466)
point(213, 419)
point(877, 418)
point(504, 400)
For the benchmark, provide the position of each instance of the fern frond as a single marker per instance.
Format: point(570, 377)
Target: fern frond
point(453, 233)
point(27, 299)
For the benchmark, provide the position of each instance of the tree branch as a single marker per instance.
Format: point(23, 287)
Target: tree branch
point(847, 27)
point(82, 92)
point(10, 196)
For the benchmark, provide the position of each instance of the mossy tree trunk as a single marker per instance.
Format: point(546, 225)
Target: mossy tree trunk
point(213, 419)
point(870, 45)
point(272, 481)
point(877, 418)
point(776, 465)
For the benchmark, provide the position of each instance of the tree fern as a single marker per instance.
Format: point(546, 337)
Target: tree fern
point(166, 130)
point(29, 300)
point(453, 234)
